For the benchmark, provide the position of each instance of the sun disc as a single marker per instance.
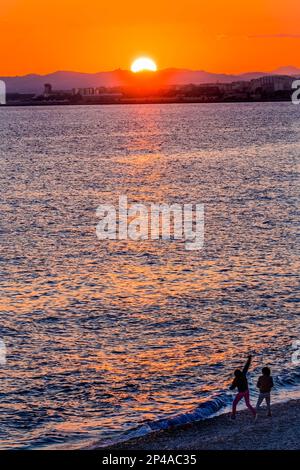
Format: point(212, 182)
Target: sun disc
point(143, 64)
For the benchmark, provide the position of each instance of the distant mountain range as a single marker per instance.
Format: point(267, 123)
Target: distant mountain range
point(66, 80)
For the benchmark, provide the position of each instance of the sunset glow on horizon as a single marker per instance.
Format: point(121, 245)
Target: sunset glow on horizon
point(219, 37)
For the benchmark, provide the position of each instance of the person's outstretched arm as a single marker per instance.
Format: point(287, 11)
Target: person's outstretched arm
point(247, 365)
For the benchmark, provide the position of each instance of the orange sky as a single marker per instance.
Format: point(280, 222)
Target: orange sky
point(91, 36)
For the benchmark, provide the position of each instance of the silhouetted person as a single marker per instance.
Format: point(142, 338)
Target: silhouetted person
point(241, 383)
point(265, 385)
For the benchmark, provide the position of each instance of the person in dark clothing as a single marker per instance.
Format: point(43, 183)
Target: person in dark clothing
point(241, 383)
point(265, 385)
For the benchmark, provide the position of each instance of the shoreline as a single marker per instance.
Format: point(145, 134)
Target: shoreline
point(33, 104)
point(280, 432)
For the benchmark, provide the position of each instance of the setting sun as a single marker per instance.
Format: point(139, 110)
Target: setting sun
point(143, 64)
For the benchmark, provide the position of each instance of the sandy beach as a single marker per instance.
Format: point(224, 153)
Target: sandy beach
point(280, 432)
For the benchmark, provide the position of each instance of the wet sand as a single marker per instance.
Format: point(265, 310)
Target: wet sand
point(280, 432)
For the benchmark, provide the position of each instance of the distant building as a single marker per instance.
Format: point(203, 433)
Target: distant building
point(271, 84)
point(49, 92)
point(83, 91)
point(95, 93)
point(47, 89)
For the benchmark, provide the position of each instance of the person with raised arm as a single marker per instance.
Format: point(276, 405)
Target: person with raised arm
point(241, 383)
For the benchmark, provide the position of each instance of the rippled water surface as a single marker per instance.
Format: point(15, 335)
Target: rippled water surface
point(103, 337)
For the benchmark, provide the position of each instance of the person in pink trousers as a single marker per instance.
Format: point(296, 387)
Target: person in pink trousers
point(241, 383)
